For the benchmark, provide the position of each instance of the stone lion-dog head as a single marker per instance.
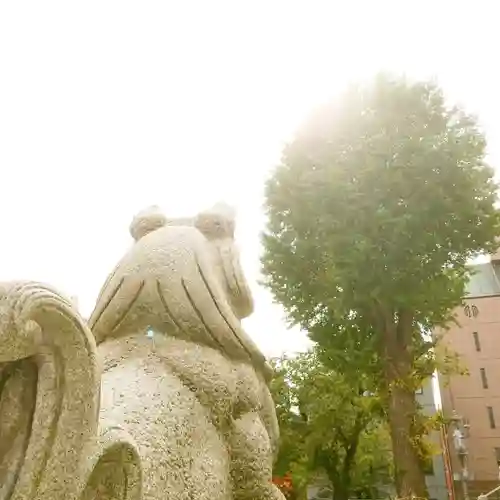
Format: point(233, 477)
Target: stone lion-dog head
point(183, 278)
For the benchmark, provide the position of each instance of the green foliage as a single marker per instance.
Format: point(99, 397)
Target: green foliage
point(379, 202)
point(381, 198)
point(329, 427)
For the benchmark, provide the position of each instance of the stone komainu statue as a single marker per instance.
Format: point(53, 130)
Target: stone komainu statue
point(161, 395)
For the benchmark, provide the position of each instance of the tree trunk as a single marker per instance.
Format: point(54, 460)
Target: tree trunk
point(341, 480)
point(410, 478)
point(402, 407)
point(340, 493)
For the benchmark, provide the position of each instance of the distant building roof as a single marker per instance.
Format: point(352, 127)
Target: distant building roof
point(484, 281)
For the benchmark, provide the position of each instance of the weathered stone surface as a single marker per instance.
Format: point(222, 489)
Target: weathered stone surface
point(173, 401)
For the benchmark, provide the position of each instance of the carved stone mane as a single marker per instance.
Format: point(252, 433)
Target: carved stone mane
point(161, 395)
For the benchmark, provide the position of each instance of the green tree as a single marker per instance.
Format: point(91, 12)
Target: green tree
point(331, 426)
point(379, 202)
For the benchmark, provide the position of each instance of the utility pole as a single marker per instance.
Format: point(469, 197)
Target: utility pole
point(460, 432)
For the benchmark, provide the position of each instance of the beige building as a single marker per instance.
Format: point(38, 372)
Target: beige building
point(476, 397)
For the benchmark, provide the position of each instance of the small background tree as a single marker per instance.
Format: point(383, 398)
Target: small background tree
point(330, 427)
point(379, 202)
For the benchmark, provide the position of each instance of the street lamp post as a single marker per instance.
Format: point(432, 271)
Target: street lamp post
point(460, 434)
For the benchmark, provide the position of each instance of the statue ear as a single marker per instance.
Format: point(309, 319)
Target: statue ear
point(147, 221)
point(218, 222)
point(214, 226)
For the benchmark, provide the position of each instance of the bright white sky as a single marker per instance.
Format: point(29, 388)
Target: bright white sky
point(107, 107)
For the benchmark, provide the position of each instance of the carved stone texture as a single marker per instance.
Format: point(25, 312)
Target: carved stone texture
point(49, 402)
point(184, 410)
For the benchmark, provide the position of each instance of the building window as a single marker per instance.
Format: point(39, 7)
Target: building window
point(497, 456)
point(491, 417)
point(419, 391)
point(484, 380)
point(471, 311)
point(477, 345)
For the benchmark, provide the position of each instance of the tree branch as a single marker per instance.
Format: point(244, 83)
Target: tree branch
point(404, 329)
